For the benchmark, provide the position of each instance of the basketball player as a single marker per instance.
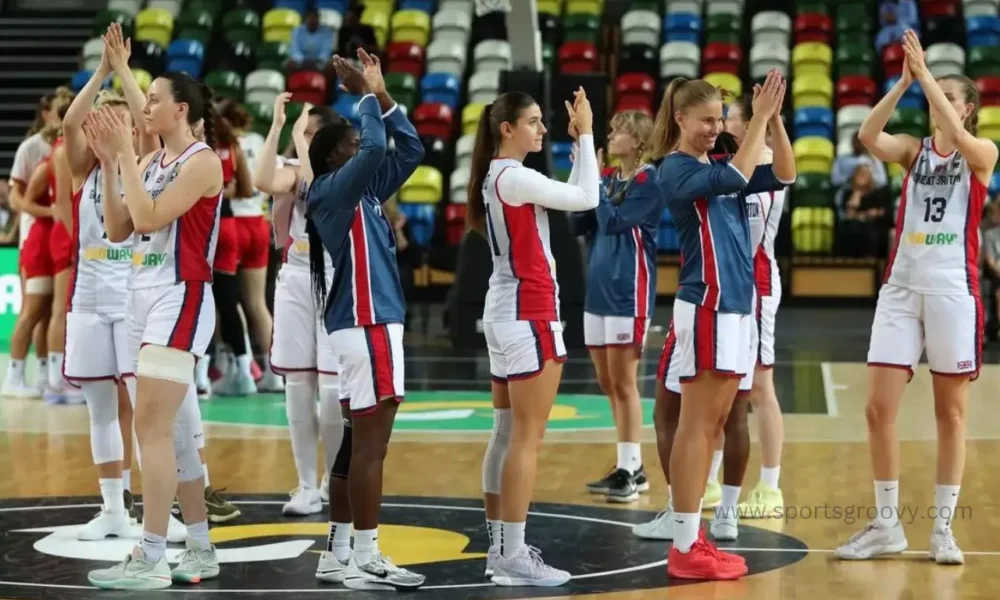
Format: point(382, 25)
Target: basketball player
point(930, 298)
point(301, 350)
point(621, 292)
point(170, 307)
point(713, 311)
point(365, 310)
point(507, 205)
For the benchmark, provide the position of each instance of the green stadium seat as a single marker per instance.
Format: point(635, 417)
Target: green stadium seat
point(853, 18)
point(653, 5)
point(242, 25)
point(812, 7)
point(106, 17)
point(225, 84)
point(195, 24)
point(262, 115)
point(581, 27)
point(812, 229)
point(911, 121)
point(856, 59)
point(812, 189)
point(212, 7)
point(272, 55)
point(403, 88)
point(548, 54)
point(983, 61)
point(723, 29)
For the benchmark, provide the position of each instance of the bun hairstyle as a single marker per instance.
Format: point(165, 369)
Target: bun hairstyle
point(237, 116)
point(681, 94)
point(198, 96)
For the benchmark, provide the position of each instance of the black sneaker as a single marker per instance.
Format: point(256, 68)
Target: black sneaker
point(602, 485)
point(622, 488)
point(134, 516)
point(641, 482)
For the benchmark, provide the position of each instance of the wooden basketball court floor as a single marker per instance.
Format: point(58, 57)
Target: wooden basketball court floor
point(432, 520)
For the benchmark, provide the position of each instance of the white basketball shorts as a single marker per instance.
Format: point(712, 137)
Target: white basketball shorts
point(949, 326)
point(767, 312)
point(602, 331)
point(371, 365)
point(520, 349)
point(96, 347)
point(180, 316)
point(701, 339)
point(299, 339)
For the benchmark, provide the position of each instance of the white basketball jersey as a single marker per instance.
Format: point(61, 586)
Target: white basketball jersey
point(766, 273)
point(183, 250)
point(937, 227)
point(523, 285)
point(297, 248)
point(99, 279)
point(755, 213)
point(252, 145)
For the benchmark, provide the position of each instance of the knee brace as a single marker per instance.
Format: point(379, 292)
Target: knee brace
point(42, 286)
point(496, 451)
point(331, 417)
point(188, 438)
point(105, 435)
point(161, 362)
point(342, 464)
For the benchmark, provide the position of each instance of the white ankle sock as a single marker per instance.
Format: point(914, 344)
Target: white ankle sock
point(713, 473)
point(199, 533)
point(339, 540)
point(670, 498)
point(686, 530)
point(55, 370)
point(945, 499)
point(511, 538)
point(365, 545)
point(887, 502)
point(629, 456)
point(769, 475)
point(493, 529)
point(127, 479)
point(153, 546)
point(730, 498)
point(15, 371)
point(112, 493)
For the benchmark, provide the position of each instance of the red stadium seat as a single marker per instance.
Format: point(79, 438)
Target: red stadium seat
point(454, 219)
point(635, 103)
point(405, 57)
point(722, 58)
point(936, 9)
point(433, 120)
point(813, 27)
point(577, 57)
point(892, 60)
point(855, 89)
point(989, 90)
point(307, 86)
point(636, 85)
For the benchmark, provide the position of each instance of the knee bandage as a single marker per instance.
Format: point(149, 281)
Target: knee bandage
point(496, 451)
point(105, 435)
point(187, 436)
point(41, 286)
point(342, 464)
point(191, 412)
point(161, 362)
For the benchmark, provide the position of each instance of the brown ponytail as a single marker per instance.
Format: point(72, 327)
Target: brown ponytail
point(971, 93)
point(681, 94)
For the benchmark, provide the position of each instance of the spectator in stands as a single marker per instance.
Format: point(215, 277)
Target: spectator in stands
point(896, 17)
point(845, 166)
point(354, 34)
point(312, 45)
point(862, 208)
point(991, 266)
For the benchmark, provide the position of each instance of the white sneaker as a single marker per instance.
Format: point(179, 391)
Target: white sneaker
point(324, 488)
point(526, 568)
point(271, 382)
point(103, 525)
point(874, 540)
point(380, 574)
point(330, 569)
point(176, 531)
point(133, 573)
point(944, 549)
point(235, 384)
point(491, 560)
point(724, 529)
point(18, 388)
point(196, 564)
point(305, 501)
point(73, 395)
point(660, 528)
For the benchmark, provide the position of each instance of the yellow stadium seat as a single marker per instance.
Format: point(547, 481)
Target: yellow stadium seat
point(378, 19)
point(279, 23)
point(812, 229)
point(552, 7)
point(813, 155)
point(726, 81)
point(812, 90)
point(811, 58)
point(895, 170)
point(470, 117)
point(989, 122)
point(154, 25)
point(411, 26)
point(425, 186)
point(142, 77)
point(386, 6)
point(589, 7)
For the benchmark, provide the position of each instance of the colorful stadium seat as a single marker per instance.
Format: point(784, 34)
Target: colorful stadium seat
point(910, 121)
point(856, 89)
point(636, 58)
point(452, 25)
point(340, 6)
point(378, 20)
point(143, 78)
point(148, 56)
point(411, 26)
point(726, 81)
point(279, 23)
point(636, 87)
point(854, 19)
point(892, 60)
point(212, 7)
point(492, 55)
point(470, 117)
point(272, 55)
point(131, 7)
point(420, 221)
point(154, 25)
point(436, 153)
point(814, 121)
point(577, 57)
point(692, 7)
point(989, 122)
point(813, 155)
point(722, 58)
point(484, 86)
point(813, 27)
point(298, 6)
point(641, 27)
point(443, 88)
point(93, 50)
point(458, 184)
point(550, 7)
point(347, 107)
point(446, 56)
point(195, 24)
point(425, 186)
point(682, 27)
point(913, 98)
point(406, 57)
point(242, 25)
point(771, 26)
point(454, 219)
point(403, 88)
point(982, 30)
point(723, 27)
point(187, 56)
point(426, 6)
point(80, 79)
point(581, 27)
point(263, 86)
point(812, 189)
point(561, 152)
point(812, 229)
point(812, 90)
point(307, 86)
point(680, 59)
point(811, 58)
point(982, 61)
point(225, 84)
point(463, 149)
point(855, 59)
point(434, 120)
point(733, 8)
point(945, 59)
point(849, 119)
point(989, 90)
point(805, 7)
point(107, 16)
point(172, 7)
point(590, 7)
point(979, 8)
point(765, 56)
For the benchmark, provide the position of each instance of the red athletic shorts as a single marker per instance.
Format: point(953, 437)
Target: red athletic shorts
point(227, 250)
point(254, 242)
point(61, 248)
point(35, 259)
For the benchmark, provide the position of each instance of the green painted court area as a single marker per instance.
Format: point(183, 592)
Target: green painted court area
point(429, 411)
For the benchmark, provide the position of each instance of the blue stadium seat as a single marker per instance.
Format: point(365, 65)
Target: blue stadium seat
point(682, 27)
point(347, 107)
point(187, 56)
point(298, 6)
point(666, 238)
point(420, 218)
point(443, 88)
point(337, 5)
point(982, 31)
point(560, 155)
point(80, 79)
point(426, 6)
point(995, 184)
point(913, 98)
point(814, 121)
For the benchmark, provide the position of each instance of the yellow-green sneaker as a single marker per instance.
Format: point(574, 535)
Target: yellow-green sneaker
point(219, 509)
point(764, 502)
point(713, 495)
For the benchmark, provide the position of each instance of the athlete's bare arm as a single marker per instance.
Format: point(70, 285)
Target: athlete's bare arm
point(37, 189)
point(269, 178)
point(62, 206)
point(119, 49)
point(900, 149)
point(304, 172)
point(200, 176)
point(81, 158)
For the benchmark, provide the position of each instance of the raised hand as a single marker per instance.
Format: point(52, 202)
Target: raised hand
point(767, 97)
point(915, 61)
point(584, 114)
point(103, 153)
point(573, 133)
point(278, 120)
point(300, 125)
point(352, 79)
point(117, 48)
point(372, 71)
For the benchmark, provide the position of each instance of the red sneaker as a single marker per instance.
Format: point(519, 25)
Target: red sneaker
point(705, 562)
point(255, 370)
point(726, 555)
